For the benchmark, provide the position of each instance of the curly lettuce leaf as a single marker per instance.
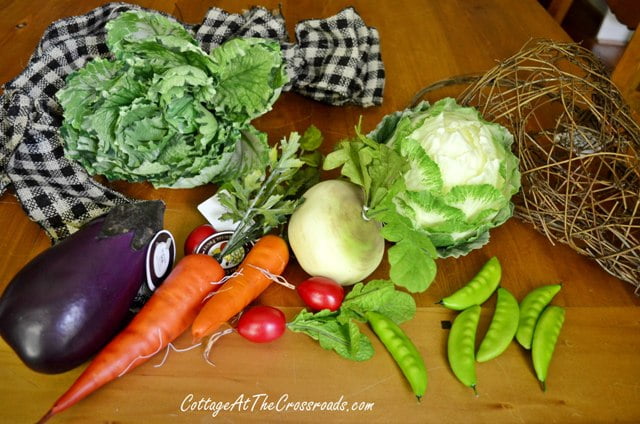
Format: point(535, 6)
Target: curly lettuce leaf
point(138, 27)
point(250, 75)
point(167, 112)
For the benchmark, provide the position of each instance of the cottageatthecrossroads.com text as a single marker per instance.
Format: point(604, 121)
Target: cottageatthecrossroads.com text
point(262, 402)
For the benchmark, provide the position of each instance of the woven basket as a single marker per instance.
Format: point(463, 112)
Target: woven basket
point(578, 147)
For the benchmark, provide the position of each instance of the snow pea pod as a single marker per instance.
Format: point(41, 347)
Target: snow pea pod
point(502, 328)
point(530, 309)
point(545, 338)
point(478, 289)
point(403, 351)
point(461, 346)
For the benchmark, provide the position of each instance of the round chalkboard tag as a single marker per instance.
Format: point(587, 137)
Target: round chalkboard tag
point(161, 254)
point(160, 258)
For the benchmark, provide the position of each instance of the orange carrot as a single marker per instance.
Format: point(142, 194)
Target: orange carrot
point(269, 254)
point(166, 315)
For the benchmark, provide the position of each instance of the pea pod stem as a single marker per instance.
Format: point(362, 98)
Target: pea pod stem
point(403, 351)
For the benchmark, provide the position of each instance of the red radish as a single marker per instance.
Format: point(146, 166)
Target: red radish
point(321, 293)
point(196, 237)
point(262, 324)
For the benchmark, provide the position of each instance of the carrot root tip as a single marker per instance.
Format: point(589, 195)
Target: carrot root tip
point(46, 417)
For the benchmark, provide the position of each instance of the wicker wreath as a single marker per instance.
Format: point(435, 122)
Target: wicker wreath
point(578, 146)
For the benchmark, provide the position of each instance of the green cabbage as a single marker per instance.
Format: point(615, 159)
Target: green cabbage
point(163, 110)
point(461, 175)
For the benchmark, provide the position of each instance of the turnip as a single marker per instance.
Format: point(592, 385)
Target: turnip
point(330, 236)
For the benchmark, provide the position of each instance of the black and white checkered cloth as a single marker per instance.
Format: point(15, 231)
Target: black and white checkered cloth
point(335, 60)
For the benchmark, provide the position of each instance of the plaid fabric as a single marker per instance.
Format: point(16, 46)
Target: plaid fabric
point(335, 60)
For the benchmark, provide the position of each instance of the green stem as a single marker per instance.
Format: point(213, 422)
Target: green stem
point(240, 234)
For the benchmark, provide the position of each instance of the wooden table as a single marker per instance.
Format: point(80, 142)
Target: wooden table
point(595, 374)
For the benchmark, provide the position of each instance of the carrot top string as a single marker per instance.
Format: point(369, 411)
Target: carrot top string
point(212, 340)
point(274, 277)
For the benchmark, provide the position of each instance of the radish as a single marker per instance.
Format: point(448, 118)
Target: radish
point(321, 293)
point(196, 236)
point(262, 324)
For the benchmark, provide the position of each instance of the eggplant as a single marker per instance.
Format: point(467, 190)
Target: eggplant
point(64, 305)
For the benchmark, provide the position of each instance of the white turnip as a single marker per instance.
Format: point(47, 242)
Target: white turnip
point(330, 236)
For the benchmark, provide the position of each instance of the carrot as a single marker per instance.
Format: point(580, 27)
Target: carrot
point(269, 254)
point(166, 315)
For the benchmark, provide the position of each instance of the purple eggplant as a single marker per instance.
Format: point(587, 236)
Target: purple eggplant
point(70, 300)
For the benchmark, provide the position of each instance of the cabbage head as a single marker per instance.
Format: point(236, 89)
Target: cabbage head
point(461, 174)
point(160, 109)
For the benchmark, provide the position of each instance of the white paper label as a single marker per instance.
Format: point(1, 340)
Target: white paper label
point(212, 210)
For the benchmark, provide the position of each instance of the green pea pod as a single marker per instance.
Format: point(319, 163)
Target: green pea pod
point(530, 309)
point(403, 351)
point(545, 338)
point(502, 328)
point(478, 289)
point(461, 346)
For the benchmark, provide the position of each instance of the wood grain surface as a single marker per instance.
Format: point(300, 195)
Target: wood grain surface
point(594, 376)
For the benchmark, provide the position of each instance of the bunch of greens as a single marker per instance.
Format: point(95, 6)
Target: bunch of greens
point(378, 168)
point(265, 197)
point(163, 110)
point(438, 177)
point(339, 331)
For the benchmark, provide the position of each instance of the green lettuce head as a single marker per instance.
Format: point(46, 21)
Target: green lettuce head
point(165, 111)
point(461, 177)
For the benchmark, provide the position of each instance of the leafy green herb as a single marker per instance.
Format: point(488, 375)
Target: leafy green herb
point(263, 199)
point(375, 167)
point(338, 330)
point(378, 169)
point(311, 139)
point(378, 296)
point(343, 338)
